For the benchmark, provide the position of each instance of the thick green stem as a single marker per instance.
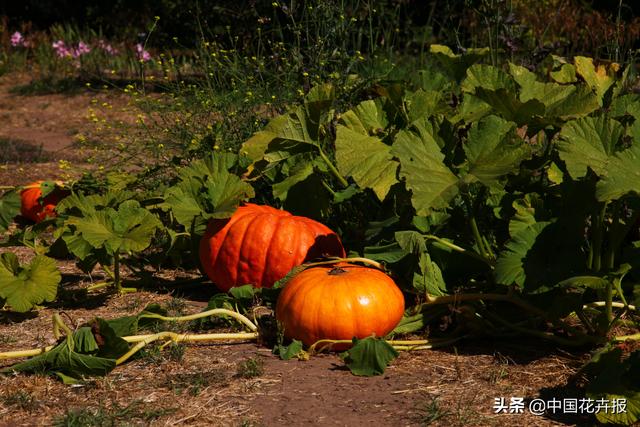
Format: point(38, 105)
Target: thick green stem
point(116, 270)
point(595, 255)
point(622, 338)
point(456, 298)
point(177, 338)
point(214, 312)
point(332, 168)
point(609, 302)
point(613, 304)
point(459, 249)
point(575, 342)
point(98, 286)
point(475, 230)
point(408, 345)
point(612, 247)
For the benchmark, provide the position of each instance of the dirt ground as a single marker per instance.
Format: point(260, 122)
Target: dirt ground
point(237, 384)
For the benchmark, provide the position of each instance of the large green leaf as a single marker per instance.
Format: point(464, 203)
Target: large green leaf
point(531, 88)
point(615, 378)
point(22, 287)
point(421, 165)
point(488, 77)
point(511, 264)
point(369, 356)
point(302, 166)
point(457, 64)
point(366, 118)
point(494, 150)
point(429, 280)
point(9, 209)
point(623, 175)
point(505, 103)
point(589, 143)
point(599, 78)
point(367, 159)
point(129, 229)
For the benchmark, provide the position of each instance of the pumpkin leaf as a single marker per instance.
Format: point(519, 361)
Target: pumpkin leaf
point(9, 209)
point(457, 64)
point(615, 380)
point(494, 150)
point(23, 287)
point(431, 182)
point(67, 360)
point(287, 352)
point(369, 356)
point(589, 143)
point(623, 176)
point(600, 78)
point(129, 229)
point(511, 264)
point(362, 156)
point(429, 280)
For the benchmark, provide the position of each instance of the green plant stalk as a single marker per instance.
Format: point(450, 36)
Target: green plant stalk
point(459, 249)
point(622, 338)
point(474, 227)
point(609, 303)
point(177, 338)
point(332, 168)
point(325, 344)
point(216, 311)
point(174, 337)
point(595, 255)
point(584, 339)
point(613, 304)
point(454, 299)
point(98, 285)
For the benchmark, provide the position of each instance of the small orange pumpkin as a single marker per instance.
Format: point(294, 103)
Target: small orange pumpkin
point(259, 245)
point(32, 208)
point(339, 302)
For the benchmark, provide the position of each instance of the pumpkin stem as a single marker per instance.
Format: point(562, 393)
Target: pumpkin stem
point(335, 271)
point(336, 260)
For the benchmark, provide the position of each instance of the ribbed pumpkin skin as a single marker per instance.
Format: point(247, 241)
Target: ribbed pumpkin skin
point(32, 209)
point(259, 245)
point(339, 302)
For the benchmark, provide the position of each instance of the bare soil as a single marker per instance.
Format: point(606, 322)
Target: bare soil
point(210, 384)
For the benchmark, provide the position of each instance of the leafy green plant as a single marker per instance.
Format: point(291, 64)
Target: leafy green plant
point(24, 287)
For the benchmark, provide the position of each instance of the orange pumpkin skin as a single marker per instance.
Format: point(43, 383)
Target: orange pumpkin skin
point(34, 210)
point(259, 245)
point(339, 302)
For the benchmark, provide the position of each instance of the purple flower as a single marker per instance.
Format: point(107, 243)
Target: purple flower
point(17, 39)
point(61, 49)
point(142, 54)
point(81, 50)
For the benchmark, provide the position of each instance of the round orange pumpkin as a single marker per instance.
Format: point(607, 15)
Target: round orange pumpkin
point(339, 302)
point(259, 245)
point(34, 209)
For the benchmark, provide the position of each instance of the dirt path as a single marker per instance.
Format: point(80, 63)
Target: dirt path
point(234, 384)
point(40, 134)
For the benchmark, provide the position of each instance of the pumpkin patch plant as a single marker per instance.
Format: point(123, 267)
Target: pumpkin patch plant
point(339, 302)
point(259, 245)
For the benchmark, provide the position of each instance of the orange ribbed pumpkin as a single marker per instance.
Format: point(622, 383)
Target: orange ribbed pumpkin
point(339, 302)
point(32, 208)
point(259, 245)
